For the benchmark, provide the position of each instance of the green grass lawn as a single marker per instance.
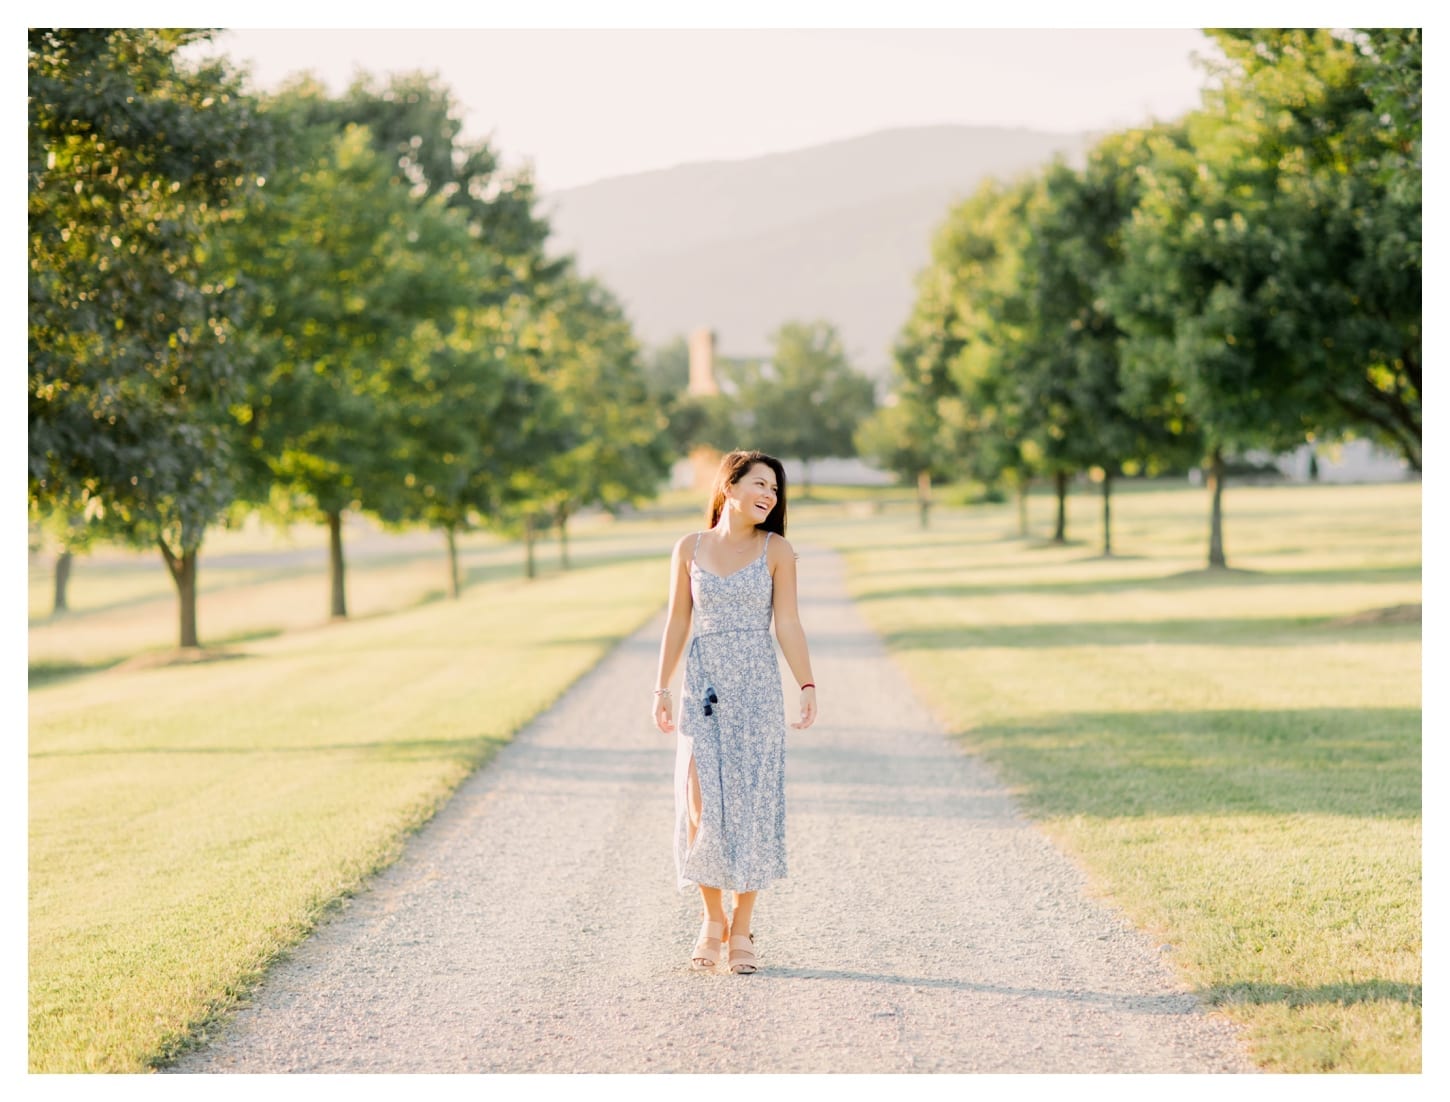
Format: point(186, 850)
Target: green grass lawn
point(1234, 758)
point(189, 822)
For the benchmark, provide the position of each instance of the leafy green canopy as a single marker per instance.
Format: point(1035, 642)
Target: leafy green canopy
point(1272, 271)
point(134, 159)
point(355, 281)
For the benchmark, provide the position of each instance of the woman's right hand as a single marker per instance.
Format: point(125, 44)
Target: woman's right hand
point(663, 716)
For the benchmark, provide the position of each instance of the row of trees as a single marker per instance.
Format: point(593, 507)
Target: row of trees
point(1246, 278)
point(305, 305)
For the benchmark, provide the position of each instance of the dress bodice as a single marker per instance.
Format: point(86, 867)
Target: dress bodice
point(743, 601)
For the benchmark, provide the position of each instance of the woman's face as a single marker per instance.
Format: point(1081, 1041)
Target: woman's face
point(755, 494)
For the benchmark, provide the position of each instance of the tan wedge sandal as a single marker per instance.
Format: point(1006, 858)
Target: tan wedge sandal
point(742, 954)
point(708, 946)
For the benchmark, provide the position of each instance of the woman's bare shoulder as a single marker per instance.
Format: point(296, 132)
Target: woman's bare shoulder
point(780, 549)
point(685, 544)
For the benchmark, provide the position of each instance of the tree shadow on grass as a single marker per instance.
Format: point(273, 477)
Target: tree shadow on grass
point(1040, 543)
point(915, 569)
point(50, 672)
point(468, 748)
point(547, 565)
point(1267, 631)
point(1330, 994)
point(930, 542)
point(1149, 1005)
point(53, 673)
point(1357, 762)
point(1187, 580)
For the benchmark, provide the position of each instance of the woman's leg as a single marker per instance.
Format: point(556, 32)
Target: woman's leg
point(740, 947)
point(714, 901)
point(712, 898)
point(744, 908)
point(709, 946)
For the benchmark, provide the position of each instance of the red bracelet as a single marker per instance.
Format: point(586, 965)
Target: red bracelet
point(808, 685)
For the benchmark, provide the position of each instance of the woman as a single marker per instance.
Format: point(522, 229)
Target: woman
point(727, 583)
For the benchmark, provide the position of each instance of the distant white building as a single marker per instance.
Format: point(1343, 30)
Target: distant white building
point(824, 472)
point(1352, 461)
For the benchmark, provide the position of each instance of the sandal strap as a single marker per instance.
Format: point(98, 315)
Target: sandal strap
point(710, 942)
point(742, 949)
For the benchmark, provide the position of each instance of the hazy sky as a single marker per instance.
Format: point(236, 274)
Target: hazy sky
point(582, 105)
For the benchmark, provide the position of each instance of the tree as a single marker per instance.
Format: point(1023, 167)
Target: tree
point(807, 401)
point(665, 369)
point(980, 248)
point(1073, 248)
point(415, 124)
point(902, 436)
point(1272, 273)
point(351, 273)
point(954, 409)
point(73, 534)
point(907, 434)
point(1053, 431)
point(615, 446)
point(1202, 299)
point(476, 414)
point(135, 161)
point(1328, 124)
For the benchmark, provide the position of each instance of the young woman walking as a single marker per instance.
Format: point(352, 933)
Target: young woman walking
point(726, 585)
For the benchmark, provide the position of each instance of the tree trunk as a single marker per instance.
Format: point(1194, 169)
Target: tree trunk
point(1060, 534)
point(336, 567)
point(561, 518)
point(62, 578)
point(1107, 513)
point(450, 533)
point(183, 573)
point(923, 496)
point(1215, 523)
point(528, 546)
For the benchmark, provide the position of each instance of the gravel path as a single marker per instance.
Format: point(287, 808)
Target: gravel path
point(533, 926)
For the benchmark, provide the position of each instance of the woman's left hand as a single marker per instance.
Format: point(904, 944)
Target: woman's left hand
point(808, 708)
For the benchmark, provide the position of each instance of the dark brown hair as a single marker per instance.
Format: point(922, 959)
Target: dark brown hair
point(732, 469)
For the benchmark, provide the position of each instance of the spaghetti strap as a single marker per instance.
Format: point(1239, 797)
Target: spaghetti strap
point(767, 541)
point(694, 554)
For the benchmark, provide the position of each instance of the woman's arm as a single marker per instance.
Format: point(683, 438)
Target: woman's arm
point(677, 633)
point(788, 630)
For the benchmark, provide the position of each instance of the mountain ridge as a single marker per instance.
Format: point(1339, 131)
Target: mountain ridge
point(836, 231)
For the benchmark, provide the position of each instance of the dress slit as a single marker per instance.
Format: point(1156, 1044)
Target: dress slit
point(694, 804)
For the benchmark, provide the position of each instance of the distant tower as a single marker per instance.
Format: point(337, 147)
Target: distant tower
point(703, 460)
point(702, 362)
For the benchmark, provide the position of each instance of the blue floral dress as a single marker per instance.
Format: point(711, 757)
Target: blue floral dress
point(732, 721)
